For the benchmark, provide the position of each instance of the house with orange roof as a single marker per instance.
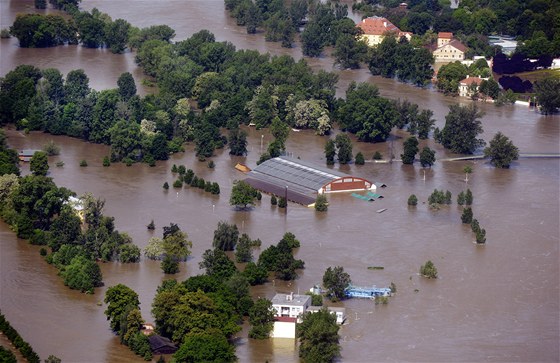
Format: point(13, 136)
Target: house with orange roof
point(469, 86)
point(376, 28)
point(448, 49)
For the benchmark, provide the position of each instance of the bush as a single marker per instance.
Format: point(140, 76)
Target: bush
point(129, 253)
point(211, 164)
point(43, 251)
point(377, 156)
point(174, 168)
point(169, 266)
point(151, 226)
point(83, 163)
point(429, 270)
point(181, 170)
point(51, 148)
point(282, 203)
point(321, 203)
point(166, 185)
point(177, 183)
point(59, 164)
point(360, 159)
point(215, 188)
point(106, 161)
point(467, 215)
point(273, 200)
point(5, 33)
point(412, 200)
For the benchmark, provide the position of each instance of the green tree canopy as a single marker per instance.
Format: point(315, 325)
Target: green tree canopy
point(242, 194)
point(39, 164)
point(501, 151)
point(225, 236)
point(410, 150)
point(462, 126)
point(318, 337)
point(336, 281)
point(120, 298)
point(548, 95)
point(261, 317)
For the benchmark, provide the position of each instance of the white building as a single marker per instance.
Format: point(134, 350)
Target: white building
point(289, 308)
point(290, 305)
point(339, 312)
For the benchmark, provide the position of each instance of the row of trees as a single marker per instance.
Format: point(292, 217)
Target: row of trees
point(25, 349)
point(91, 29)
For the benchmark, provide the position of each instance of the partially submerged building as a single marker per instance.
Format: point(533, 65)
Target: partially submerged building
point(302, 181)
point(289, 309)
point(26, 154)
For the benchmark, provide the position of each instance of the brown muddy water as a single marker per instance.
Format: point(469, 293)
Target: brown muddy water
point(498, 302)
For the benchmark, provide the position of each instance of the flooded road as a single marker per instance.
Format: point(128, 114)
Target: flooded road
point(498, 302)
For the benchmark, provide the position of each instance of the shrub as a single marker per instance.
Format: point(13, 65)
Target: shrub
point(43, 251)
point(429, 270)
point(174, 168)
point(106, 161)
point(282, 203)
point(51, 148)
point(215, 188)
point(377, 156)
point(412, 200)
point(83, 163)
point(151, 226)
point(177, 183)
point(273, 200)
point(211, 164)
point(169, 265)
point(467, 215)
point(360, 159)
point(166, 185)
point(321, 203)
point(59, 164)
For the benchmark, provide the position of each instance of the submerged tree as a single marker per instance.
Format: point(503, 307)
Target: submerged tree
point(501, 151)
point(336, 281)
point(318, 337)
point(462, 126)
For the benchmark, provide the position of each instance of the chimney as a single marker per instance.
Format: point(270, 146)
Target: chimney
point(385, 24)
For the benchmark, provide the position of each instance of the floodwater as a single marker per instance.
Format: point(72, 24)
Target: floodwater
point(498, 302)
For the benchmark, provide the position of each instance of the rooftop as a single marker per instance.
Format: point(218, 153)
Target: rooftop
point(470, 80)
point(376, 25)
point(302, 179)
point(290, 299)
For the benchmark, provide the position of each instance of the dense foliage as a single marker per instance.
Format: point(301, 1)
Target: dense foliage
point(280, 260)
point(171, 249)
point(501, 151)
point(201, 314)
point(365, 113)
point(335, 280)
point(429, 270)
point(462, 126)
point(318, 337)
point(75, 229)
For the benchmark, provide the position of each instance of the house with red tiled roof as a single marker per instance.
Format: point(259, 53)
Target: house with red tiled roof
point(469, 86)
point(448, 49)
point(376, 28)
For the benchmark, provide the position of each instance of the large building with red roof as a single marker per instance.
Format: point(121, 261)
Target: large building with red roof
point(376, 28)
